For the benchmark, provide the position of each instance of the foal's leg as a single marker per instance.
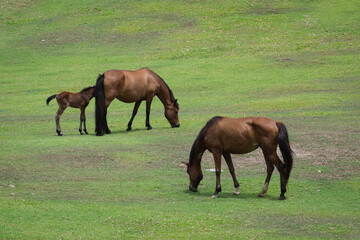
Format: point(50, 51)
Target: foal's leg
point(82, 119)
point(229, 162)
point(148, 104)
point(136, 107)
point(217, 159)
point(57, 119)
point(269, 170)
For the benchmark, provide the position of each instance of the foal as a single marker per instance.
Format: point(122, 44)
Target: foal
point(75, 100)
point(223, 136)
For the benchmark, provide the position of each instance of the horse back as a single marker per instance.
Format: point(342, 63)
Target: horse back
point(130, 86)
point(241, 135)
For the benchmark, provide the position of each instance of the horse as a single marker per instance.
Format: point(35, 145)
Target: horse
point(132, 86)
point(224, 136)
point(75, 100)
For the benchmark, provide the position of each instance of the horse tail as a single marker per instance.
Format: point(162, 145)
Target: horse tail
point(285, 149)
point(50, 98)
point(100, 111)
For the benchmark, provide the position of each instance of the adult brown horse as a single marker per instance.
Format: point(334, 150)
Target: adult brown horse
point(223, 136)
point(132, 86)
point(75, 100)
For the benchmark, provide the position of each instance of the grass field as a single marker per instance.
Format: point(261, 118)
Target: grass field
point(293, 61)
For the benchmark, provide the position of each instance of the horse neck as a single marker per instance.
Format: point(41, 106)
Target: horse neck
point(196, 153)
point(163, 94)
point(89, 93)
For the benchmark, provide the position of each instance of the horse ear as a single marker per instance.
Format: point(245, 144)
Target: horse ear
point(175, 102)
point(186, 163)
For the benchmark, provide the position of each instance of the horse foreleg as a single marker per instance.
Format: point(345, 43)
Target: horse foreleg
point(57, 119)
point(82, 119)
point(148, 104)
point(269, 170)
point(136, 107)
point(217, 159)
point(229, 162)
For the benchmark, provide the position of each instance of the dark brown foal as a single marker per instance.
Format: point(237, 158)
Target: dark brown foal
point(223, 136)
point(74, 100)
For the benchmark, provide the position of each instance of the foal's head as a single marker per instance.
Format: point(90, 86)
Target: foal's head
point(171, 114)
point(195, 174)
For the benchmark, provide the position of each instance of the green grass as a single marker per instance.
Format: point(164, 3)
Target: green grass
point(293, 61)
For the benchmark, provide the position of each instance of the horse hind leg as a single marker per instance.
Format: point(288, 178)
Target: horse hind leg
point(275, 160)
point(229, 162)
point(269, 170)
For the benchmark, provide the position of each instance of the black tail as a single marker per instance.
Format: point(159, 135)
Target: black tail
point(285, 149)
point(50, 98)
point(100, 111)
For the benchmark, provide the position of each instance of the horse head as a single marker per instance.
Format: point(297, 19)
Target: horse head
point(171, 114)
point(195, 174)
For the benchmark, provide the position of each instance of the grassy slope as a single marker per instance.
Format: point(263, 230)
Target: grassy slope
point(293, 61)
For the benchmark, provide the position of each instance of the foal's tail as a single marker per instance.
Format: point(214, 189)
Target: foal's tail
point(100, 111)
point(285, 149)
point(50, 98)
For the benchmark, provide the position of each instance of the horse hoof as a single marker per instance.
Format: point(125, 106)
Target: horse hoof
point(129, 129)
point(107, 131)
point(81, 133)
point(260, 195)
point(59, 133)
point(214, 196)
point(86, 132)
point(149, 127)
point(236, 193)
point(282, 198)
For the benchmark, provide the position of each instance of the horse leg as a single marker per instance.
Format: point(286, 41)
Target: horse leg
point(82, 119)
point(148, 104)
point(136, 107)
point(106, 127)
point(57, 119)
point(229, 162)
point(274, 159)
point(217, 159)
point(269, 170)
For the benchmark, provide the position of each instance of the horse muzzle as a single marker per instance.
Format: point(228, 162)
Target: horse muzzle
point(175, 125)
point(191, 188)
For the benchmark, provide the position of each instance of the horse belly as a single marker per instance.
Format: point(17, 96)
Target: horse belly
point(133, 91)
point(239, 142)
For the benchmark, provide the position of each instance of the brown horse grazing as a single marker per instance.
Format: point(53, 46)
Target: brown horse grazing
point(223, 136)
point(132, 86)
point(75, 100)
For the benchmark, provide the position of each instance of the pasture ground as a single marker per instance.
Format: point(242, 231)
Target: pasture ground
point(293, 61)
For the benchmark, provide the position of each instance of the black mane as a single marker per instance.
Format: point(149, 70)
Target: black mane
point(87, 88)
point(170, 92)
point(201, 136)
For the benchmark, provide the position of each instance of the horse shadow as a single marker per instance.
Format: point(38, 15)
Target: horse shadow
point(229, 195)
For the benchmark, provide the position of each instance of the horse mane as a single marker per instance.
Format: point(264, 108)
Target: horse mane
point(87, 88)
point(201, 136)
point(170, 92)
